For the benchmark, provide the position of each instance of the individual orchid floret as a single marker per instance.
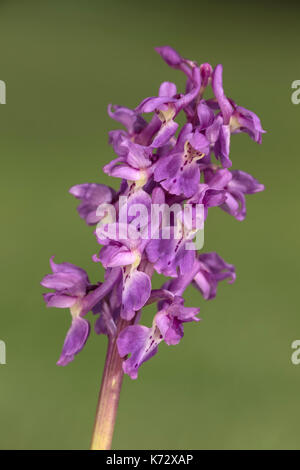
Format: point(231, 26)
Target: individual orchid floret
point(241, 183)
point(91, 196)
point(70, 284)
point(236, 117)
point(142, 342)
point(233, 119)
point(205, 274)
point(179, 172)
point(127, 254)
point(208, 197)
point(167, 105)
point(133, 164)
point(136, 285)
point(172, 247)
point(244, 120)
point(236, 184)
point(173, 252)
point(168, 253)
point(133, 122)
point(213, 269)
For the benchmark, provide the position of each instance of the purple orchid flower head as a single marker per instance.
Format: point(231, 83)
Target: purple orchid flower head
point(163, 170)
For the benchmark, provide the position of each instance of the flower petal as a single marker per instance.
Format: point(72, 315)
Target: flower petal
point(64, 281)
point(164, 134)
point(244, 182)
point(169, 55)
point(213, 269)
point(68, 268)
point(138, 156)
point(217, 86)
point(59, 300)
point(167, 89)
point(205, 115)
point(222, 146)
point(136, 292)
point(91, 195)
point(75, 340)
point(114, 255)
point(128, 117)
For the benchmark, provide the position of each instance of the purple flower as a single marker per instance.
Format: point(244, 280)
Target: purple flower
point(235, 118)
point(70, 284)
point(208, 197)
point(178, 172)
point(133, 122)
point(133, 164)
point(169, 252)
point(244, 120)
point(213, 269)
point(171, 249)
point(142, 342)
point(136, 286)
point(91, 196)
point(205, 274)
point(236, 184)
point(167, 105)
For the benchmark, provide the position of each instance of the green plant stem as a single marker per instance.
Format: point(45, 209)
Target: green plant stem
point(109, 395)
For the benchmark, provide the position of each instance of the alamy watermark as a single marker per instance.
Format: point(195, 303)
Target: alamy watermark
point(2, 92)
point(295, 97)
point(140, 221)
point(2, 352)
point(295, 357)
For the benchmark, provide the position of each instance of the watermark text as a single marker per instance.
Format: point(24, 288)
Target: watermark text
point(2, 92)
point(2, 352)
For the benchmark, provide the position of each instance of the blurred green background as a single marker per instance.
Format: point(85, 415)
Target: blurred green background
point(230, 383)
